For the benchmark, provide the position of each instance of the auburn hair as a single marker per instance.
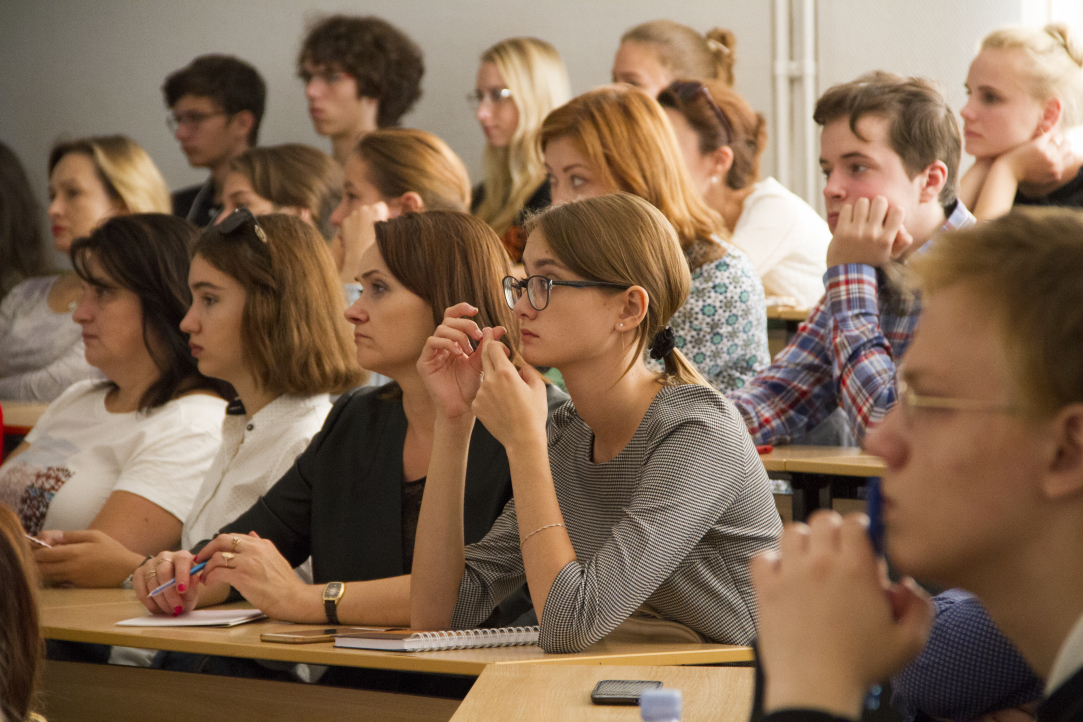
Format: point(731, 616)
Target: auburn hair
point(628, 141)
point(292, 332)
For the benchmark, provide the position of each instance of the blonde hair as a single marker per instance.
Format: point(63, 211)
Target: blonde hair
point(400, 160)
point(1056, 64)
point(292, 333)
point(294, 175)
point(124, 168)
point(627, 138)
point(623, 239)
point(1027, 268)
point(534, 73)
point(686, 53)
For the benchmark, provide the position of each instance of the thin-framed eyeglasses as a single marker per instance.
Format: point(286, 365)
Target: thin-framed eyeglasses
point(239, 220)
point(190, 119)
point(910, 401)
point(687, 90)
point(477, 98)
point(538, 289)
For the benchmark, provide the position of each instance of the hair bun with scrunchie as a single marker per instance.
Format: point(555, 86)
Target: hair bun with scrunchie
point(663, 344)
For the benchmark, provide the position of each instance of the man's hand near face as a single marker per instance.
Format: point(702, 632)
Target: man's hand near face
point(868, 232)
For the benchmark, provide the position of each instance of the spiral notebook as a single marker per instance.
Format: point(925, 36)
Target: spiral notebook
point(407, 640)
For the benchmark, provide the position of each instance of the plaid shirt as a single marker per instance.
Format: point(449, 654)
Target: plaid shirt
point(842, 355)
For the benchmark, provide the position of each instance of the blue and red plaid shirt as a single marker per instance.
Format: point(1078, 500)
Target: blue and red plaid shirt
point(844, 355)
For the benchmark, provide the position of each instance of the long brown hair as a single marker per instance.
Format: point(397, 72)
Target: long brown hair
point(291, 330)
point(628, 140)
point(749, 128)
point(447, 258)
point(20, 635)
point(399, 160)
point(623, 239)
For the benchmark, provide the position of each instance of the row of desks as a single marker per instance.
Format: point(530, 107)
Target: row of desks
point(817, 473)
point(560, 684)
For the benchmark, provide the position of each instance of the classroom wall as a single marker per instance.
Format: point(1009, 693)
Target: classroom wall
point(83, 68)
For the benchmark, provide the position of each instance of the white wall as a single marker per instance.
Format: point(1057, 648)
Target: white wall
point(82, 68)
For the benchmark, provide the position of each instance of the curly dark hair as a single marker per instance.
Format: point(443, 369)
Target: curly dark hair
point(386, 64)
point(230, 82)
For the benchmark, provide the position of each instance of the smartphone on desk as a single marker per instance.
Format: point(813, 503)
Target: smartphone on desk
point(308, 636)
point(621, 691)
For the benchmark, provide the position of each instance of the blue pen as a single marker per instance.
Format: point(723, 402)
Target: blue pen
point(874, 509)
point(171, 582)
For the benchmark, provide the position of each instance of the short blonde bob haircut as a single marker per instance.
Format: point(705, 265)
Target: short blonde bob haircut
point(294, 339)
point(1027, 269)
point(124, 168)
point(535, 74)
point(400, 160)
point(1056, 64)
point(627, 138)
point(623, 239)
point(294, 175)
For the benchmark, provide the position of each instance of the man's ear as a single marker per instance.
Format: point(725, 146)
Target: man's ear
point(410, 202)
point(1065, 475)
point(1054, 107)
point(242, 123)
point(636, 303)
point(933, 179)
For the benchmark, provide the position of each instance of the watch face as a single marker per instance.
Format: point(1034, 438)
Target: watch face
point(333, 590)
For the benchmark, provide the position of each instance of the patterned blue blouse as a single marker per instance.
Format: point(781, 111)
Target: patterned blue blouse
point(722, 327)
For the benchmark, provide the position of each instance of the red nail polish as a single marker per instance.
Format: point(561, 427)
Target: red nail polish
point(182, 588)
point(177, 611)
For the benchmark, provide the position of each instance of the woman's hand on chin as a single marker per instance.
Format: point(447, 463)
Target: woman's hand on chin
point(1043, 160)
point(451, 366)
point(510, 401)
point(255, 568)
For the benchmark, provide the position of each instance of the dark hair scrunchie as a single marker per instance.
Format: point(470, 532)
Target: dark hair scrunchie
point(663, 344)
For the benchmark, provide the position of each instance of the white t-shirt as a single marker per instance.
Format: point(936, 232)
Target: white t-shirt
point(255, 453)
point(786, 240)
point(80, 454)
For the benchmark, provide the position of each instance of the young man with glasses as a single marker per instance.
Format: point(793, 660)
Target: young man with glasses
point(216, 104)
point(983, 487)
point(360, 74)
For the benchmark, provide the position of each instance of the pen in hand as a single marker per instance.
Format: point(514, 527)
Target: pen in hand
point(171, 582)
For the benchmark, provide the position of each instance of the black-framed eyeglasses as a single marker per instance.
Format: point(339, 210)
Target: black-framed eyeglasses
point(538, 289)
point(238, 220)
point(176, 120)
point(493, 95)
point(687, 90)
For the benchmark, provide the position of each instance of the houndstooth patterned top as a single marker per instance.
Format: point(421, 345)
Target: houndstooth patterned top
point(672, 522)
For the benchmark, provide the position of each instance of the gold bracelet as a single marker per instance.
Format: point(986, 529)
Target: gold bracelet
point(547, 526)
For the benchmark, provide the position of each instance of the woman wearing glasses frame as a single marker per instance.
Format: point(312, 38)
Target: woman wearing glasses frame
point(638, 506)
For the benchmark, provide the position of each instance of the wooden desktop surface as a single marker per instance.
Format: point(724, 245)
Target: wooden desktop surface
point(543, 692)
point(787, 313)
point(837, 460)
point(22, 415)
point(90, 615)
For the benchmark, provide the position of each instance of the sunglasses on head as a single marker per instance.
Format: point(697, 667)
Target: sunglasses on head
point(240, 219)
point(689, 90)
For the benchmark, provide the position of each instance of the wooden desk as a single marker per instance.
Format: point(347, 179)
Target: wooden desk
point(90, 615)
point(20, 416)
point(782, 324)
point(816, 470)
point(529, 693)
point(787, 313)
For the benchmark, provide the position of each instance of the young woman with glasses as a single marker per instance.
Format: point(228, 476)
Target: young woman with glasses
point(638, 506)
point(617, 138)
point(351, 499)
point(520, 80)
point(722, 140)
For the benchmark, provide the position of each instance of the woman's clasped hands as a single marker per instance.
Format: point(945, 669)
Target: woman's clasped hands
point(469, 374)
point(251, 565)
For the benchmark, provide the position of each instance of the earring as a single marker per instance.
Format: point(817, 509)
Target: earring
point(714, 179)
point(622, 325)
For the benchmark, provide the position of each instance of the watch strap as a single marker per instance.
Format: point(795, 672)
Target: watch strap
point(330, 607)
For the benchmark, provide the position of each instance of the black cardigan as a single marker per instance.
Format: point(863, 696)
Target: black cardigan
point(341, 502)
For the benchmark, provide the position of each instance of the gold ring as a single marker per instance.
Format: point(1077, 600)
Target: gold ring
point(150, 574)
point(236, 541)
point(167, 561)
point(228, 556)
